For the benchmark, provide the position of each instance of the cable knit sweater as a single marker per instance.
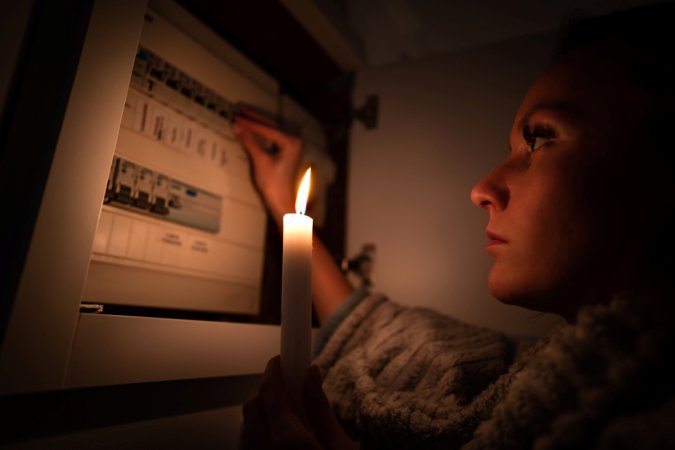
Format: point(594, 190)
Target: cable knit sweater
point(411, 378)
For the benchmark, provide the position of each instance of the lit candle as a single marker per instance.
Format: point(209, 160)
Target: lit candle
point(296, 294)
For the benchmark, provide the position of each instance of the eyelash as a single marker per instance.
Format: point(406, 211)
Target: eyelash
point(538, 132)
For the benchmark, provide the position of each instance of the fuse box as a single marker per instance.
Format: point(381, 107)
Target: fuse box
point(181, 226)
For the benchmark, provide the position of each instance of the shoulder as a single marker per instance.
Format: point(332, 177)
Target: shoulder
point(592, 382)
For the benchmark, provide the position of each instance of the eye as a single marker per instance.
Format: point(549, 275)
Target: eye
point(537, 136)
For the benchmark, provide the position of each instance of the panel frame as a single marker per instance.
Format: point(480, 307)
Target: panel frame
point(49, 344)
point(36, 346)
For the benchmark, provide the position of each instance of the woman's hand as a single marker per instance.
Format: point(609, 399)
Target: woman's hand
point(274, 173)
point(271, 422)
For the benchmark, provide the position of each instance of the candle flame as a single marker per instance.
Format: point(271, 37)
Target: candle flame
point(303, 193)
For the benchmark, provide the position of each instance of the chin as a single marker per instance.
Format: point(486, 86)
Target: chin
point(514, 292)
point(501, 289)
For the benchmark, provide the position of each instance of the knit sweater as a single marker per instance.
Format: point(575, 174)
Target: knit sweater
point(411, 378)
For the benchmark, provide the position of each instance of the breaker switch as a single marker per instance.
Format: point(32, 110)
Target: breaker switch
point(160, 206)
point(123, 194)
point(142, 201)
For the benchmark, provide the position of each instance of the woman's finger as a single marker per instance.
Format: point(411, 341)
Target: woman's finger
point(254, 433)
point(286, 429)
point(254, 148)
point(286, 141)
point(273, 392)
point(319, 412)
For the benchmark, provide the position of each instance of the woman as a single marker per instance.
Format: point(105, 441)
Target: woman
point(578, 226)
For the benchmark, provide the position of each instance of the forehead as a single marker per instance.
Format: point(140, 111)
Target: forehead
point(588, 87)
point(564, 111)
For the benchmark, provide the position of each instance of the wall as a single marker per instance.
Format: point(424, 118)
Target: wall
point(443, 124)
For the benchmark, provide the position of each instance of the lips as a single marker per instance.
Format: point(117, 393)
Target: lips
point(495, 239)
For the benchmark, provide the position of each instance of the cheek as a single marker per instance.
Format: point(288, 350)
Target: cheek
point(566, 219)
point(553, 228)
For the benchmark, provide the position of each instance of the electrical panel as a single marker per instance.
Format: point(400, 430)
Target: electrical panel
point(181, 226)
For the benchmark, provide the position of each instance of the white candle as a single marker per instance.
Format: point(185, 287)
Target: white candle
point(296, 294)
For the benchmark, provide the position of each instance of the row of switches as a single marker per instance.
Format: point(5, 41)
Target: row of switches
point(130, 184)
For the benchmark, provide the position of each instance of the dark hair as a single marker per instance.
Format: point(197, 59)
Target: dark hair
point(641, 41)
point(647, 29)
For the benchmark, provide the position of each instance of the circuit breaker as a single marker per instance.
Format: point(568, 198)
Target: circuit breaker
point(181, 226)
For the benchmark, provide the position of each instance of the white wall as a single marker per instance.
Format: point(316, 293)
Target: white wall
point(443, 124)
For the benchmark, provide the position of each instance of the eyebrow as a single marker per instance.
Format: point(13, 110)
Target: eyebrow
point(569, 110)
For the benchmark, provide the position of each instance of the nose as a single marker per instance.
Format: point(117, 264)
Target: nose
point(491, 192)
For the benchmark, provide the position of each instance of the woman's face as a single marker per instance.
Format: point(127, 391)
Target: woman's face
point(557, 229)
